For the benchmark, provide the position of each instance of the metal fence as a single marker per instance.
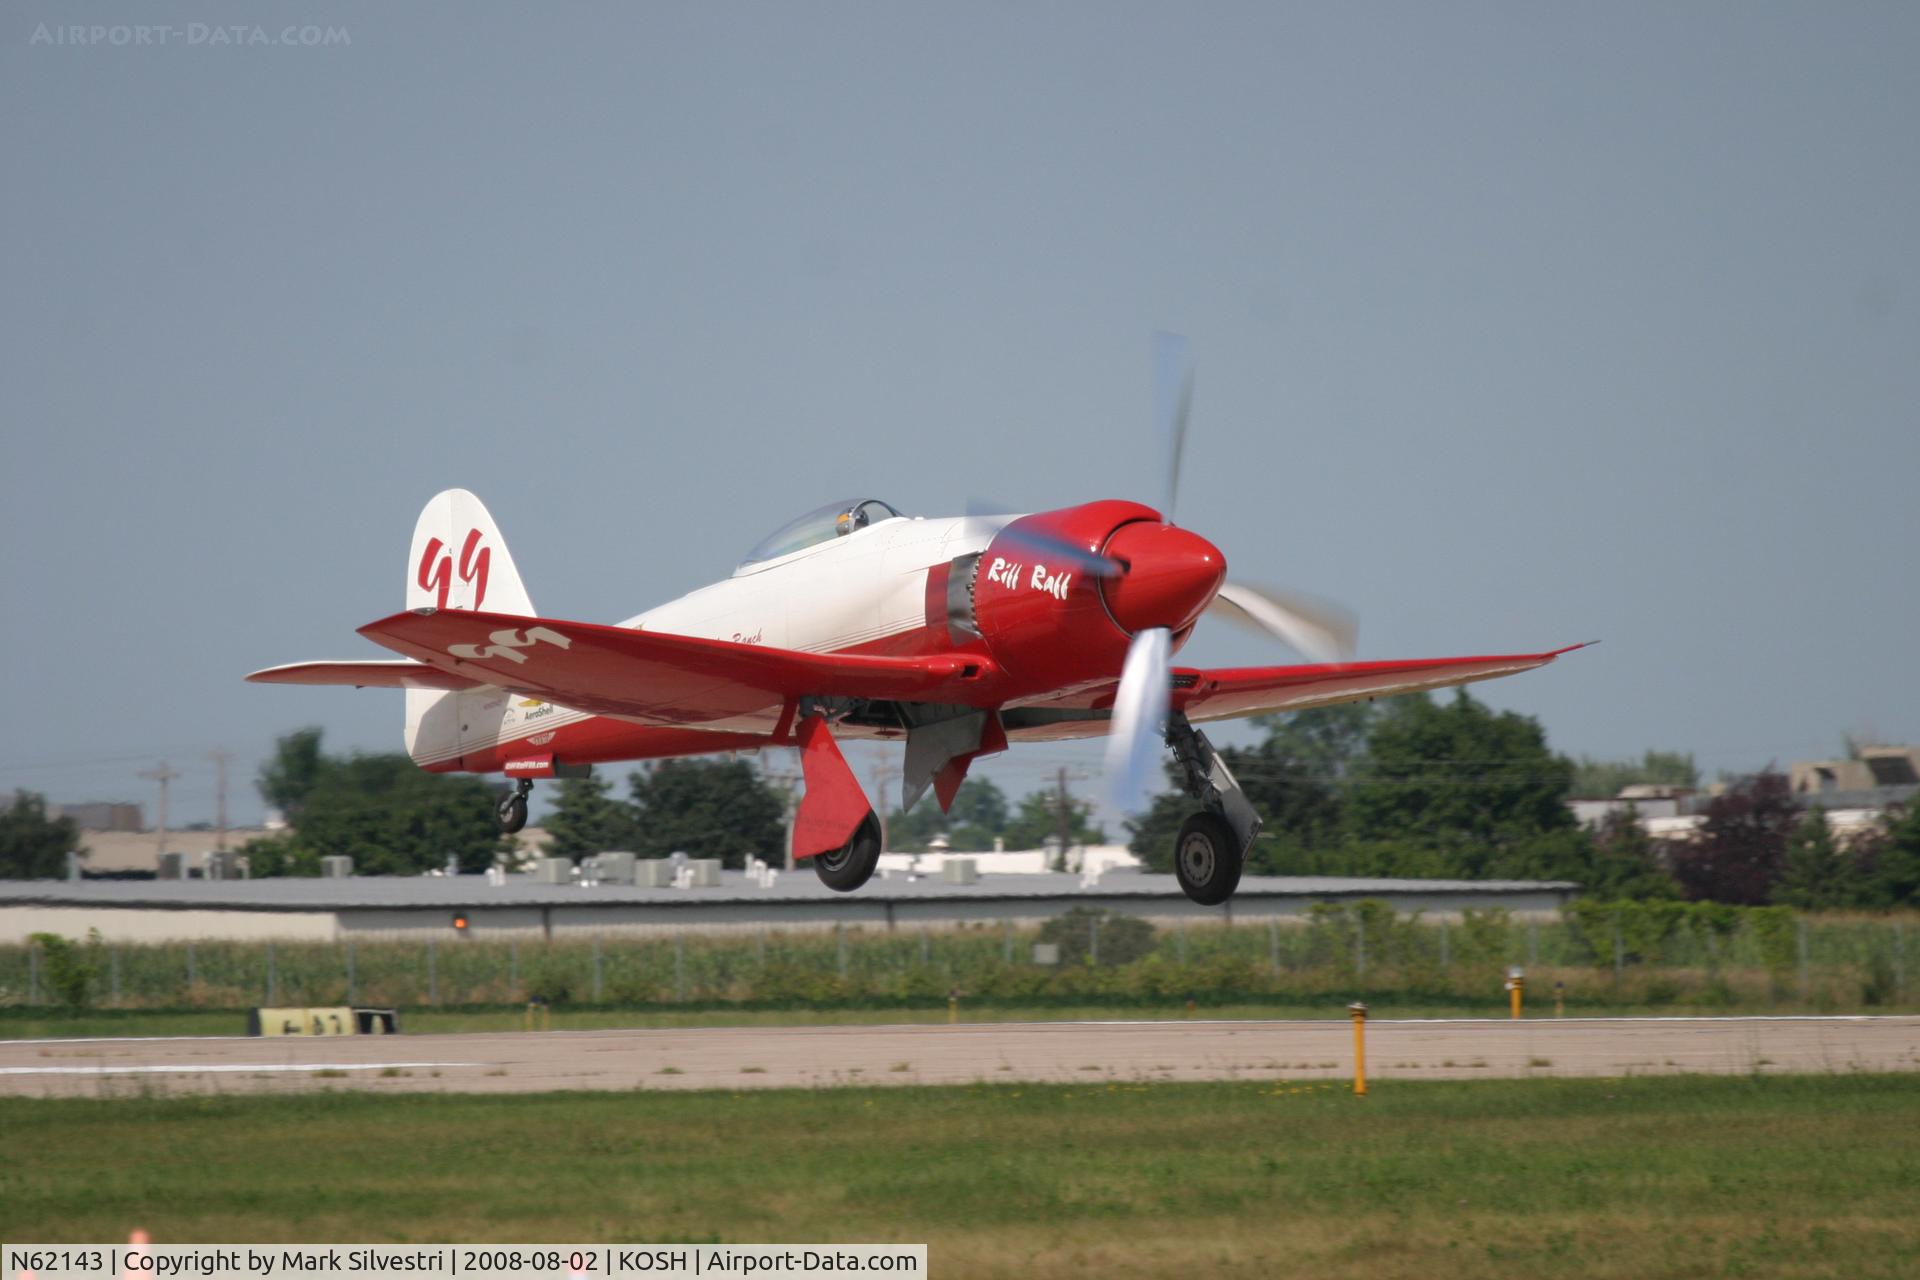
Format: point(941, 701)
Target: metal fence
point(1356, 950)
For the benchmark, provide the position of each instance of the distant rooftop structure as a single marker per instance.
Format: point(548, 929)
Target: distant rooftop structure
point(1871, 769)
point(1642, 792)
point(425, 906)
point(1855, 792)
point(1651, 802)
point(136, 850)
point(104, 815)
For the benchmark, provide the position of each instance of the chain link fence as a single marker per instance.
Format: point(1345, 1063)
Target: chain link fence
point(1595, 957)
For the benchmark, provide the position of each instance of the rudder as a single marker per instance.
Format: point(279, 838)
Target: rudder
point(458, 560)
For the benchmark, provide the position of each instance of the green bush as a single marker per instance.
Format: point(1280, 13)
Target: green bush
point(71, 968)
point(1120, 939)
point(550, 979)
point(1487, 937)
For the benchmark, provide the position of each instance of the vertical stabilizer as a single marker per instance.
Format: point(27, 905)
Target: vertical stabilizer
point(458, 561)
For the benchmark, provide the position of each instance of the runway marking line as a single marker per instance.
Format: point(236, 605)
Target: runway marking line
point(204, 1068)
point(1059, 1025)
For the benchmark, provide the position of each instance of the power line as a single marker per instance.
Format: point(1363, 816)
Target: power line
point(220, 758)
point(786, 781)
point(162, 775)
point(883, 772)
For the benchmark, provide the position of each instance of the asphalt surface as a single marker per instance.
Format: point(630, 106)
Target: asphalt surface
point(817, 1057)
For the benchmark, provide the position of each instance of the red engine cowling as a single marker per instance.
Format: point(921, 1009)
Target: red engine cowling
point(1052, 625)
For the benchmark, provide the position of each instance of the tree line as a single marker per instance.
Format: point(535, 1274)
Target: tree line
point(1415, 787)
point(394, 818)
point(725, 809)
point(1449, 788)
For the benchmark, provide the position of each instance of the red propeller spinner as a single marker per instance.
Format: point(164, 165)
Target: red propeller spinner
point(1169, 576)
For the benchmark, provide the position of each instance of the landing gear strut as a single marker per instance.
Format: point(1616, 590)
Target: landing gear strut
point(851, 865)
point(1212, 845)
point(511, 812)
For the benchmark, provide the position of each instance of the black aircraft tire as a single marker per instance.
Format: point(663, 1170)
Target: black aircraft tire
point(511, 813)
point(850, 866)
point(1206, 859)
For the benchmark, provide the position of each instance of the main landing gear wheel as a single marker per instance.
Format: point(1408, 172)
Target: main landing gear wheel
point(847, 868)
point(511, 812)
point(1206, 859)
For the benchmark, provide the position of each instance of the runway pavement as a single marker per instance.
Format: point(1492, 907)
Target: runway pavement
point(814, 1057)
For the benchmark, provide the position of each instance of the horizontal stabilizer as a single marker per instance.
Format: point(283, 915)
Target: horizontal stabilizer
point(365, 675)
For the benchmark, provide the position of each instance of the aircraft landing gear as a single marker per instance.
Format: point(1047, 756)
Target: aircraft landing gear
point(511, 812)
point(1207, 859)
point(1212, 845)
point(851, 865)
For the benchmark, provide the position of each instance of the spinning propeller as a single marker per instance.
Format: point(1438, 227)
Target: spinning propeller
point(1049, 547)
point(1159, 578)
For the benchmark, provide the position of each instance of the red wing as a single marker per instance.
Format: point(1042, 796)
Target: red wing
point(365, 675)
point(656, 678)
point(1227, 692)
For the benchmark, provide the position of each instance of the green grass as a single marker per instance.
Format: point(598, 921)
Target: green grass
point(1675, 1176)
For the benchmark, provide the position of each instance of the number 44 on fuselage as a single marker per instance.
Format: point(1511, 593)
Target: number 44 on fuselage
point(957, 636)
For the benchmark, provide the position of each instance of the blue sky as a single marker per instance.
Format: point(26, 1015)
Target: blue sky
point(1516, 325)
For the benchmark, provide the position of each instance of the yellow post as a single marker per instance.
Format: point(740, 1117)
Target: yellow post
point(1359, 1012)
point(1559, 999)
point(1516, 988)
point(953, 1004)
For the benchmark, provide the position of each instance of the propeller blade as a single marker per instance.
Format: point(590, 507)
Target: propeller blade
point(1054, 551)
point(1318, 629)
point(1137, 734)
point(1173, 400)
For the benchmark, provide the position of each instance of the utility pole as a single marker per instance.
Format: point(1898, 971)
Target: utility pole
point(883, 773)
point(1063, 817)
point(162, 775)
point(788, 783)
point(1063, 813)
point(220, 760)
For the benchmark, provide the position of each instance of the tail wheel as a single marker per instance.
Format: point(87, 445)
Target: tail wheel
point(851, 865)
point(511, 812)
point(1206, 859)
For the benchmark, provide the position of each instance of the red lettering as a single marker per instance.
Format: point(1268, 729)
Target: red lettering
point(473, 568)
point(434, 571)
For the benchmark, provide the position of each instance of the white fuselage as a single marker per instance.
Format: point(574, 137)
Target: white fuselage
point(826, 598)
point(832, 596)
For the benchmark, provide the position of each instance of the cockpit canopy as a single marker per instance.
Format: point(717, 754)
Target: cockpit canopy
point(835, 520)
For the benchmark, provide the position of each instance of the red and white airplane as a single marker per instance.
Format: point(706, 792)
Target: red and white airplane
point(958, 636)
